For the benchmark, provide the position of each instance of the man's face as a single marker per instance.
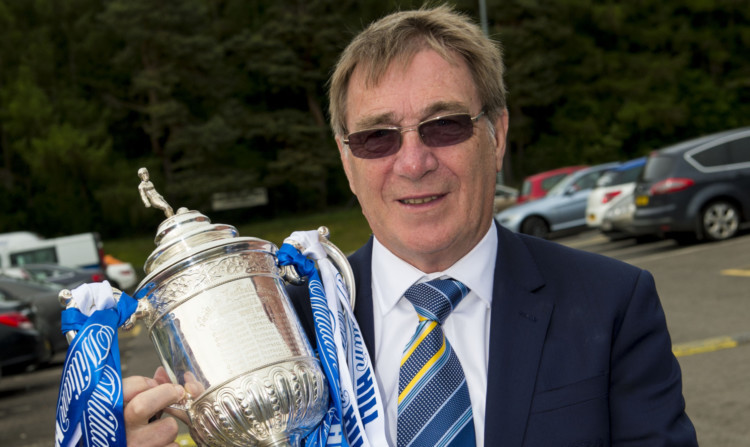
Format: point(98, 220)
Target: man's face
point(428, 205)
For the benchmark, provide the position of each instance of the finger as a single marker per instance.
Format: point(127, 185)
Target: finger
point(179, 414)
point(192, 385)
point(134, 385)
point(194, 388)
point(147, 403)
point(161, 375)
point(159, 433)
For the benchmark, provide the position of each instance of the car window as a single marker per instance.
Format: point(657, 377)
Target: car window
point(739, 150)
point(586, 181)
point(712, 157)
point(629, 175)
point(607, 179)
point(526, 188)
point(39, 256)
point(561, 186)
point(657, 168)
point(549, 182)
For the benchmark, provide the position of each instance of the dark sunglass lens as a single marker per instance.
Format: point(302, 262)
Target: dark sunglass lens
point(447, 131)
point(375, 143)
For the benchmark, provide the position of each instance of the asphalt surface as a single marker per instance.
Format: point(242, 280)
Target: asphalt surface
point(705, 291)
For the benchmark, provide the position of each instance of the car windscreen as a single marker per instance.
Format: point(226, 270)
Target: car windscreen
point(553, 180)
point(630, 175)
point(526, 188)
point(562, 185)
point(657, 167)
point(609, 178)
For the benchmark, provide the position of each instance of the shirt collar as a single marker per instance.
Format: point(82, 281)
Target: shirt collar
point(392, 275)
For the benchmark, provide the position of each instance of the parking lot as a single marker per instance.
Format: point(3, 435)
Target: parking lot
point(704, 290)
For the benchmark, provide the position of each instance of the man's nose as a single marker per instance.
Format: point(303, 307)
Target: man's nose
point(414, 159)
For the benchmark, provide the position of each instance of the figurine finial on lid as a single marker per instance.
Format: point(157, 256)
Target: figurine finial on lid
point(150, 197)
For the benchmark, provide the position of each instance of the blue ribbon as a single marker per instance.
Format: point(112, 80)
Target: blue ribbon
point(288, 255)
point(90, 402)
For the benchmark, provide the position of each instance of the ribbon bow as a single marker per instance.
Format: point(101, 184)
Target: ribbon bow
point(90, 402)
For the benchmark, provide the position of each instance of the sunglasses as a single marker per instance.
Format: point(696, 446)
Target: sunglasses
point(435, 132)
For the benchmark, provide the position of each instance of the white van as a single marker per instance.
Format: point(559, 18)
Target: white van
point(15, 238)
point(79, 251)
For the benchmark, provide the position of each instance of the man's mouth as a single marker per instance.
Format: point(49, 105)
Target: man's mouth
point(419, 201)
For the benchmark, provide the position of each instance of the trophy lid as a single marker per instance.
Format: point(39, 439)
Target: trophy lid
point(181, 233)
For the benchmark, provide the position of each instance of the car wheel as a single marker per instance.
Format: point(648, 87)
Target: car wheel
point(720, 221)
point(535, 226)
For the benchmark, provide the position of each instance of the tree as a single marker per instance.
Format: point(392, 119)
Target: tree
point(596, 81)
point(53, 139)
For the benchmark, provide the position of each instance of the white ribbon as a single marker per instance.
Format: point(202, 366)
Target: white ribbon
point(88, 298)
point(363, 415)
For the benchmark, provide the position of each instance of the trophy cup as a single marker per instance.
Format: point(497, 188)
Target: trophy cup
point(221, 321)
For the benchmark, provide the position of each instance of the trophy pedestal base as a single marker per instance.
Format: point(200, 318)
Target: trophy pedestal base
point(282, 442)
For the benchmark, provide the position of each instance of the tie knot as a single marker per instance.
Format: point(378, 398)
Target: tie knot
point(436, 299)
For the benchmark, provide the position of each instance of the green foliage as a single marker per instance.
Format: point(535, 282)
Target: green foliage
point(594, 81)
point(228, 95)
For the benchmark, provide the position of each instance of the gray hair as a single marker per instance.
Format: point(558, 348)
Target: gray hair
point(399, 36)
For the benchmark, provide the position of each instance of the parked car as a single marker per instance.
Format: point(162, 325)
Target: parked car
point(613, 183)
point(21, 345)
point(697, 189)
point(67, 277)
point(536, 186)
point(564, 207)
point(44, 296)
point(121, 274)
point(618, 219)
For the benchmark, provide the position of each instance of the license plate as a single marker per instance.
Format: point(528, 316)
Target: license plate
point(641, 201)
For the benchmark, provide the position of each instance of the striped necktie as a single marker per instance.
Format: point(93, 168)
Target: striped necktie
point(434, 408)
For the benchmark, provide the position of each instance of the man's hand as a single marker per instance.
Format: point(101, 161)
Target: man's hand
point(145, 398)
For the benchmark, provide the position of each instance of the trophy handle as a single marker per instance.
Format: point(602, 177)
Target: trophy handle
point(144, 308)
point(340, 261)
point(337, 257)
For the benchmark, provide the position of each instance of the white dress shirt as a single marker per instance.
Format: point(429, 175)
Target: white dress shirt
point(467, 328)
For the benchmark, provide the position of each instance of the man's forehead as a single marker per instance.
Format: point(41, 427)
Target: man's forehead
point(431, 110)
point(371, 73)
point(424, 87)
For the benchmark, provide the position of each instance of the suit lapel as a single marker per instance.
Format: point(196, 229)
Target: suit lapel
point(518, 327)
point(361, 262)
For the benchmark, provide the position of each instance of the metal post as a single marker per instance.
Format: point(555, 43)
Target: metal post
point(483, 16)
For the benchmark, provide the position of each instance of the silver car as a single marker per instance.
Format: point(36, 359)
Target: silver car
point(563, 208)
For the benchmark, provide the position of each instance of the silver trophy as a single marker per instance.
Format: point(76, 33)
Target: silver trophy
point(221, 321)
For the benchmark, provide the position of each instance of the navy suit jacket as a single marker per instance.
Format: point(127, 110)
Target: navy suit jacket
point(579, 356)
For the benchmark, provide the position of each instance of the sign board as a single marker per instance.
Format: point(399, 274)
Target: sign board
point(222, 201)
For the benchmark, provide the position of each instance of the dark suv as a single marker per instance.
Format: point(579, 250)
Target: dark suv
point(696, 189)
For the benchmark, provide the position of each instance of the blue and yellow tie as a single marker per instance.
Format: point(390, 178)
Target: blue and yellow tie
point(434, 408)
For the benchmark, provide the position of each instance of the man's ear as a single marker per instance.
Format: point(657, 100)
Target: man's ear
point(501, 135)
point(345, 162)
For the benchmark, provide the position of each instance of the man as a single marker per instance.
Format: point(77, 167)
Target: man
point(558, 347)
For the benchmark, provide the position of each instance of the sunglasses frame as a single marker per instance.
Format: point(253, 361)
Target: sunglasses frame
point(403, 129)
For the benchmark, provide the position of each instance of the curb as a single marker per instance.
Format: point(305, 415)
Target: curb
point(710, 345)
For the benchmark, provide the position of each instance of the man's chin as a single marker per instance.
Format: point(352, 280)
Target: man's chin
point(421, 250)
